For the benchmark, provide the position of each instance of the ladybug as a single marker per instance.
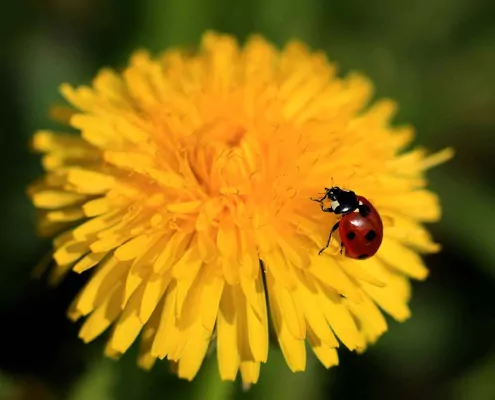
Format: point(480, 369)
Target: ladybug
point(360, 226)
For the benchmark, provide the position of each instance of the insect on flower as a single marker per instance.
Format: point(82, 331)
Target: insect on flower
point(360, 227)
point(183, 192)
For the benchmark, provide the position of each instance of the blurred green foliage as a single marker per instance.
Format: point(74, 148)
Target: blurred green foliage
point(436, 58)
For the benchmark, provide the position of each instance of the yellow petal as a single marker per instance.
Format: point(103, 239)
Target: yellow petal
point(396, 280)
point(185, 207)
point(133, 248)
point(130, 130)
point(154, 289)
point(277, 265)
point(58, 272)
point(290, 310)
point(325, 353)
point(292, 348)
point(250, 371)
point(81, 98)
point(194, 352)
point(189, 263)
point(46, 141)
point(97, 224)
point(257, 326)
point(254, 292)
point(101, 318)
point(96, 207)
point(420, 204)
point(227, 245)
point(109, 242)
point(184, 285)
point(389, 300)
point(107, 274)
point(373, 323)
point(128, 161)
point(230, 269)
point(97, 131)
point(110, 85)
point(307, 299)
point(210, 299)
point(172, 251)
point(146, 360)
point(66, 215)
point(359, 271)
point(293, 251)
point(340, 318)
point(188, 300)
point(90, 182)
point(327, 271)
point(207, 246)
point(403, 259)
point(437, 158)
point(129, 324)
point(409, 232)
point(70, 252)
point(228, 351)
point(166, 179)
point(249, 262)
point(167, 327)
point(52, 199)
point(88, 261)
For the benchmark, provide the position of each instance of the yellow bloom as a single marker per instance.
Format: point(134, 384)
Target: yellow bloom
point(187, 191)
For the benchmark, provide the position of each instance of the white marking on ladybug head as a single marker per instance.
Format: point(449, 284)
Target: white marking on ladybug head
point(334, 204)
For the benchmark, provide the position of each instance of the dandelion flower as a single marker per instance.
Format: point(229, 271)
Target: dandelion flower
point(185, 193)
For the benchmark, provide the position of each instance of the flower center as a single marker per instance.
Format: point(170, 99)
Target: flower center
point(227, 132)
point(217, 157)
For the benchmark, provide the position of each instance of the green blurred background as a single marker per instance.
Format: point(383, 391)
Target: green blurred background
point(437, 58)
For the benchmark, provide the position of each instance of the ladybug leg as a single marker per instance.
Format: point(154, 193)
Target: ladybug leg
point(323, 208)
point(335, 227)
point(341, 248)
point(326, 209)
point(318, 200)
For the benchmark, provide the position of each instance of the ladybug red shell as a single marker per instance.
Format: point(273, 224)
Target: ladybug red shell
point(360, 227)
point(361, 233)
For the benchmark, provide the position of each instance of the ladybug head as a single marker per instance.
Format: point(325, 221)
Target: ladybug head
point(333, 193)
point(343, 201)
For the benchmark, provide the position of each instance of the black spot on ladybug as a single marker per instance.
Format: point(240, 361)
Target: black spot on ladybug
point(351, 235)
point(364, 210)
point(370, 235)
point(363, 257)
